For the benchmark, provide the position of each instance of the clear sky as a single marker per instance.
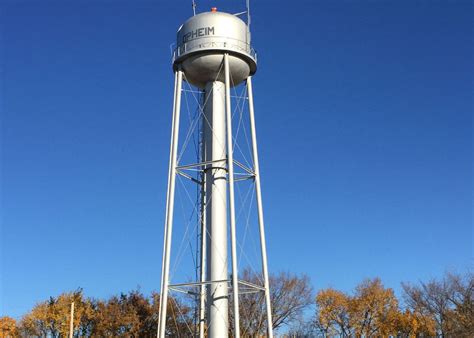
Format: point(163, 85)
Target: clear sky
point(364, 117)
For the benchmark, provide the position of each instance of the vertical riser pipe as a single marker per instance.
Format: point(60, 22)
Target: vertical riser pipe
point(214, 138)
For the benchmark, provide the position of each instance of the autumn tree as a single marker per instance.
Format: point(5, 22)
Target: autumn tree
point(409, 324)
point(52, 317)
point(333, 313)
point(114, 318)
point(125, 315)
point(441, 308)
point(8, 328)
point(134, 315)
point(289, 294)
point(461, 296)
point(373, 309)
point(448, 301)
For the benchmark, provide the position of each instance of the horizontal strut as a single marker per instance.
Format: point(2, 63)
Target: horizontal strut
point(199, 92)
point(194, 284)
point(200, 164)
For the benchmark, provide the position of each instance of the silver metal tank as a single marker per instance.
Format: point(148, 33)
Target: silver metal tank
point(201, 43)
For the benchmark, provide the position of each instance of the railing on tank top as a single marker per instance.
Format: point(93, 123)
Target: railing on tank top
point(214, 42)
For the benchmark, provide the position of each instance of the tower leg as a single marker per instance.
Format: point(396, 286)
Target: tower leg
point(230, 167)
point(202, 295)
point(203, 244)
point(216, 210)
point(258, 191)
point(170, 206)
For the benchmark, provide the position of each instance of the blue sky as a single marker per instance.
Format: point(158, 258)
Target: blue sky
point(364, 118)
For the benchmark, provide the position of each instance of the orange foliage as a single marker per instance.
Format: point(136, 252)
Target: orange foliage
point(8, 327)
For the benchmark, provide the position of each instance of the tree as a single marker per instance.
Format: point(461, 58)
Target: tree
point(8, 328)
point(409, 324)
point(333, 316)
point(113, 318)
point(373, 309)
point(302, 329)
point(289, 294)
point(461, 296)
point(448, 301)
point(52, 317)
point(125, 315)
point(134, 315)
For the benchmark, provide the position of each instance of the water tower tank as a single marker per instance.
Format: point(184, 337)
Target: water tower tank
point(201, 43)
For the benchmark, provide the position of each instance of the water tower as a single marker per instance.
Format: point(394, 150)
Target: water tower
point(213, 53)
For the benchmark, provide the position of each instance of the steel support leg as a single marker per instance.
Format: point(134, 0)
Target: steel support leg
point(263, 245)
point(202, 289)
point(230, 168)
point(170, 206)
point(203, 244)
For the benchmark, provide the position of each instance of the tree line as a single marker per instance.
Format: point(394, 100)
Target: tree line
point(438, 308)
